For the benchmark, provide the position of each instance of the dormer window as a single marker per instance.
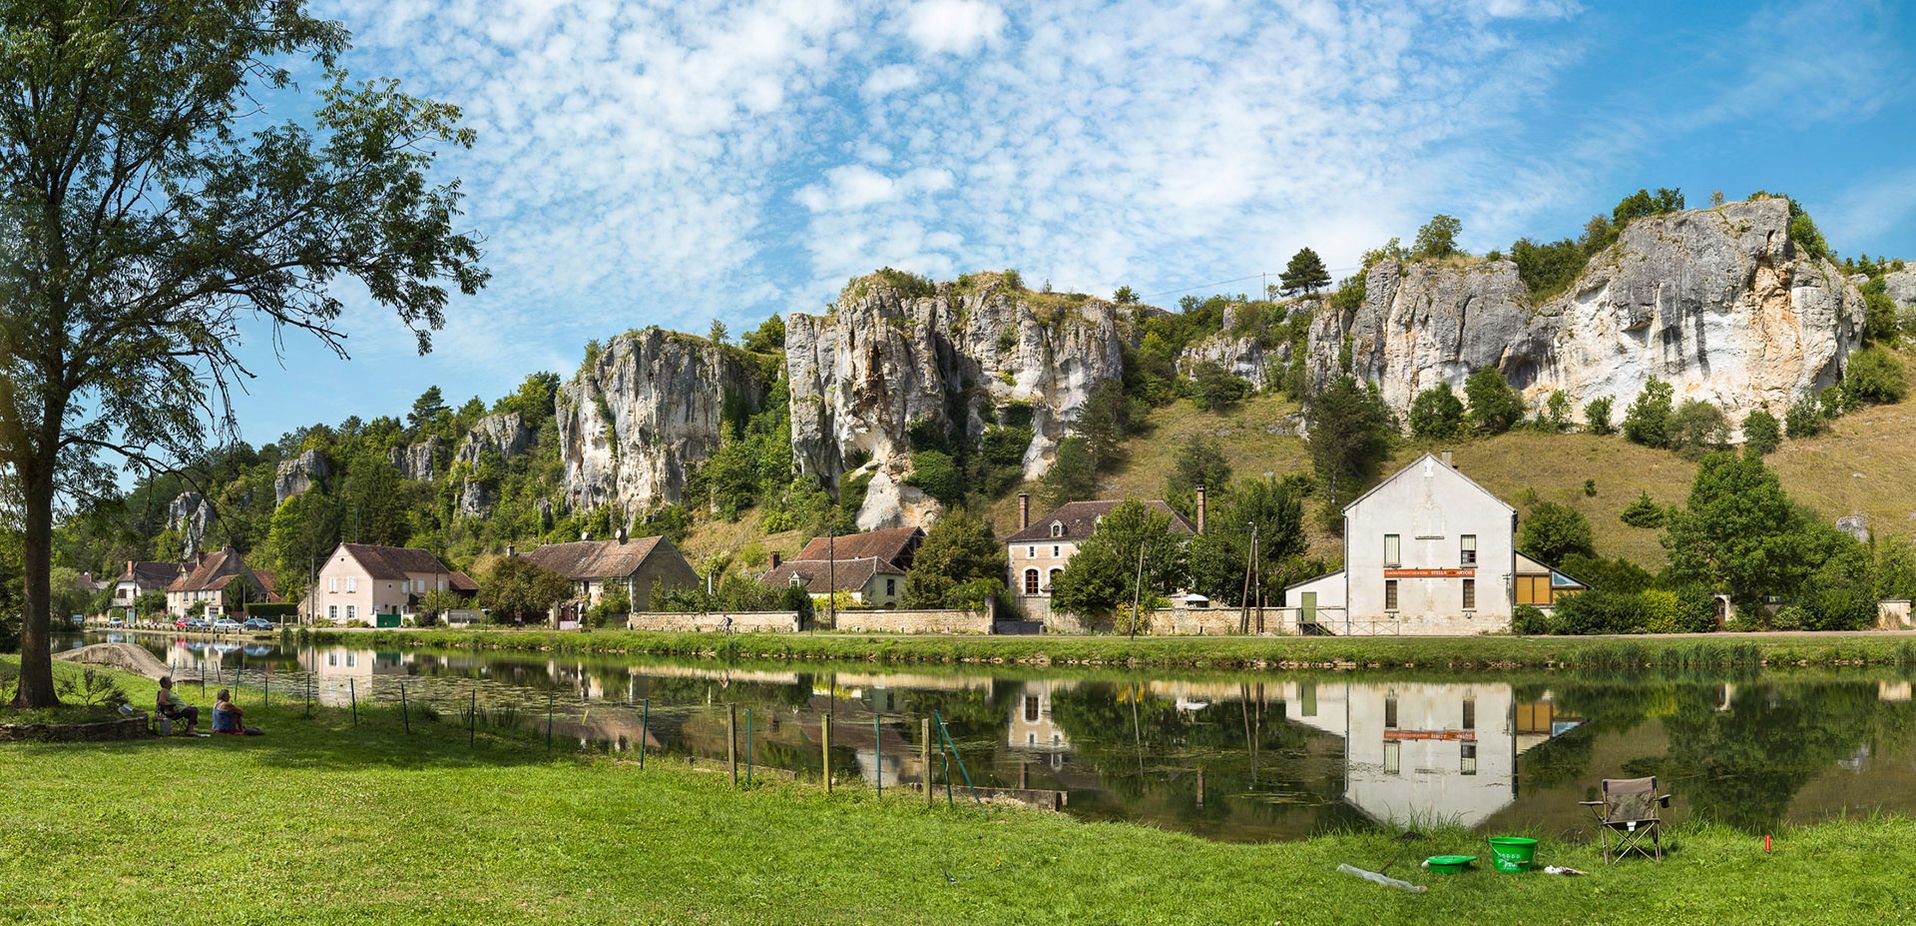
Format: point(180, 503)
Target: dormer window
point(1057, 529)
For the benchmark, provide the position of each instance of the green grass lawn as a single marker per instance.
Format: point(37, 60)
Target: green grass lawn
point(1475, 653)
point(322, 821)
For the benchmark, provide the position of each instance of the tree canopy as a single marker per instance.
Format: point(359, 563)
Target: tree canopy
point(1304, 274)
point(959, 565)
point(1104, 572)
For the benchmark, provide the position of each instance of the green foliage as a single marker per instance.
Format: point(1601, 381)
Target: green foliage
point(718, 334)
point(934, 472)
point(1437, 414)
point(906, 284)
point(1550, 532)
point(429, 413)
point(1197, 462)
point(1597, 611)
point(1881, 319)
point(1761, 432)
point(1214, 389)
point(1350, 431)
point(1438, 237)
point(959, 565)
point(1072, 476)
point(1647, 421)
point(753, 465)
point(521, 589)
point(1494, 406)
point(734, 593)
point(153, 602)
point(1873, 377)
point(1105, 570)
point(1528, 620)
point(613, 604)
point(1805, 419)
point(1642, 203)
point(1596, 416)
point(1125, 296)
point(1741, 533)
point(1304, 274)
point(1697, 428)
point(1555, 416)
point(1643, 512)
point(1219, 557)
point(767, 338)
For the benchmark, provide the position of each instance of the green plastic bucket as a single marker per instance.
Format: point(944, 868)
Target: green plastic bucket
point(1512, 853)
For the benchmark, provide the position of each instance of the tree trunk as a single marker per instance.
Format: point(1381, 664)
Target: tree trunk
point(36, 646)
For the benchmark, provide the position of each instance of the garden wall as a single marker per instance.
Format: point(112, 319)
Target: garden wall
point(915, 621)
point(714, 621)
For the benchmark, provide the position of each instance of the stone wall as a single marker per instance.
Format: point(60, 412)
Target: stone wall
point(1892, 614)
point(909, 621)
point(714, 621)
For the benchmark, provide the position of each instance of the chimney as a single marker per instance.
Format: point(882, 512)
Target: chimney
point(1200, 509)
point(129, 568)
point(776, 559)
point(1024, 510)
point(511, 550)
point(1445, 456)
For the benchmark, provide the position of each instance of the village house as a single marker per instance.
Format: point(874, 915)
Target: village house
point(867, 569)
point(1039, 550)
point(140, 578)
point(1427, 551)
point(363, 582)
point(596, 567)
point(221, 582)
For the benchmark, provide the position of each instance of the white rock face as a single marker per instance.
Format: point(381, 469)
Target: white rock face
point(416, 462)
point(650, 404)
point(187, 515)
point(885, 359)
point(1717, 302)
point(298, 474)
point(1901, 286)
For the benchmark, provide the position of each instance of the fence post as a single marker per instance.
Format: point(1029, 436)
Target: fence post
point(269, 684)
point(405, 709)
point(645, 722)
point(878, 756)
point(352, 691)
point(548, 726)
point(748, 747)
point(731, 741)
point(472, 721)
point(924, 756)
point(825, 741)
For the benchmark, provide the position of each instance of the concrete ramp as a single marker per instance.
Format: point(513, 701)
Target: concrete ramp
point(125, 656)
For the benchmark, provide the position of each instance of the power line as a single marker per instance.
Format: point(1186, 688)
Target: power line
point(1254, 276)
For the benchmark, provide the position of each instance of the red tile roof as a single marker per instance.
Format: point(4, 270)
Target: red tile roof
point(596, 559)
point(893, 545)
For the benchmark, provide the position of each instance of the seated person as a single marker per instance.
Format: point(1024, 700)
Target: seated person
point(227, 717)
point(171, 706)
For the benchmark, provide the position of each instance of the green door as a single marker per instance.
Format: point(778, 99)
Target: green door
point(1308, 614)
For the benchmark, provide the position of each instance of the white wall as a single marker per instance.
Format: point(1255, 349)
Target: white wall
point(1430, 506)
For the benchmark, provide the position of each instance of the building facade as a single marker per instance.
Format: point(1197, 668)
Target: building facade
point(362, 582)
point(636, 566)
point(140, 578)
point(1040, 549)
point(218, 583)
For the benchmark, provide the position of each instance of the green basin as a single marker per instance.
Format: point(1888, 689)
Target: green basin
point(1449, 863)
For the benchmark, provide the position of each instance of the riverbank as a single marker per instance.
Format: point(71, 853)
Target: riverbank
point(1448, 653)
point(323, 820)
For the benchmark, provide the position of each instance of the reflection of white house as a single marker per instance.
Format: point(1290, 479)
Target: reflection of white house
point(1427, 551)
point(1426, 753)
point(1031, 726)
point(343, 663)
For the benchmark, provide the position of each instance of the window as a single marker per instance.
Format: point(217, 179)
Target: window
point(1467, 550)
point(352, 612)
point(1031, 552)
point(1393, 757)
point(1051, 580)
point(352, 584)
point(1470, 713)
point(1470, 594)
point(332, 659)
point(1393, 551)
point(1390, 594)
point(332, 613)
point(1467, 761)
point(1031, 708)
point(1390, 711)
point(1031, 581)
point(891, 586)
point(1533, 590)
point(1054, 551)
point(332, 585)
point(1057, 529)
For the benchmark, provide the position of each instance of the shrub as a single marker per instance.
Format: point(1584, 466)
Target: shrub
point(1436, 414)
point(1761, 432)
point(1804, 419)
point(1873, 377)
point(1597, 414)
point(1698, 428)
point(1590, 488)
point(1596, 611)
point(934, 472)
point(1529, 620)
point(1647, 421)
point(1643, 512)
point(1494, 406)
point(1556, 412)
point(1215, 389)
point(1551, 531)
point(1791, 617)
point(1688, 610)
point(1438, 237)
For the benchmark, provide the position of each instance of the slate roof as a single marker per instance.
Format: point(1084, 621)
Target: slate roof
point(820, 576)
point(394, 562)
point(596, 559)
point(148, 576)
point(1081, 518)
point(460, 582)
point(894, 545)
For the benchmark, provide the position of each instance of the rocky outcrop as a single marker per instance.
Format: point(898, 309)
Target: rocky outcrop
point(475, 499)
point(503, 433)
point(1719, 303)
point(1901, 287)
point(1247, 355)
point(949, 358)
point(418, 461)
point(649, 406)
point(300, 473)
point(187, 516)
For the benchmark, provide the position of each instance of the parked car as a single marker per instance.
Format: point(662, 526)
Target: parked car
point(197, 623)
point(226, 625)
point(78, 620)
point(115, 622)
point(258, 623)
point(181, 623)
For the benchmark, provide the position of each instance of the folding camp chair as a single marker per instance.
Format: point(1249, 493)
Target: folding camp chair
point(1630, 810)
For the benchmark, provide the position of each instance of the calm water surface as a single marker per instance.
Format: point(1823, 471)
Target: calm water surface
point(1234, 757)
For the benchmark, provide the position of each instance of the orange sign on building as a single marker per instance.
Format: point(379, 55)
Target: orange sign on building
point(1430, 573)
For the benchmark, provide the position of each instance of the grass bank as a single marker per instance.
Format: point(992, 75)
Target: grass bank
point(1451, 653)
point(324, 821)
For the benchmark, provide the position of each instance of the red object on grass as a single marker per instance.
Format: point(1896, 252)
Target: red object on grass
point(1766, 843)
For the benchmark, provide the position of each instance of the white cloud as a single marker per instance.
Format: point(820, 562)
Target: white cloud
point(890, 79)
point(957, 26)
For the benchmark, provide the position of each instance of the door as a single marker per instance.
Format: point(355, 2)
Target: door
point(1307, 612)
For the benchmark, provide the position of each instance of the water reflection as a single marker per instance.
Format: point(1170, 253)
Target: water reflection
point(1252, 757)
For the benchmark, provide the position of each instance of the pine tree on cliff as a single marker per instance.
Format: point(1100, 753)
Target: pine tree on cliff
point(1305, 274)
point(146, 229)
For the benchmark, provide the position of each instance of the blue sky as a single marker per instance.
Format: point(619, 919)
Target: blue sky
point(675, 163)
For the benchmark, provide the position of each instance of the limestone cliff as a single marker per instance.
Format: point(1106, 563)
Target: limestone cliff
point(643, 410)
point(187, 516)
point(298, 474)
point(891, 354)
point(1718, 302)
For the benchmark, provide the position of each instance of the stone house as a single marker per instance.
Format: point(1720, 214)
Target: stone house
point(867, 568)
point(598, 566)
point(139, 578)
point(1039, 550)
point(1427, 551)
point(362, 582)
point(222, 582)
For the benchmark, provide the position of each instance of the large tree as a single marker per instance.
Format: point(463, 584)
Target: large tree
point(1130, 542)
point(960, 565)
point(1740, 532)
point(1350, 431)
point(1304, 274)
point(153, 214)
point(1220, 558)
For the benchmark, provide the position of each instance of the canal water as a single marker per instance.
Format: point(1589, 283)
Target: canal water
point(1239, 757)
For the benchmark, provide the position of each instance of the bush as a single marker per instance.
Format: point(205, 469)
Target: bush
point(1761, 432)
point(1597, 611)
point(1698, 428)
point(1805, 419)
point(1494, 406)
point(1688, 610)
point(1215, 389)
point(1647, 421)
point(1873, 377)
point(1597, 415)
point(1529, 620)
point(934, 472)
point(1644, 512)
point(1436, 414)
